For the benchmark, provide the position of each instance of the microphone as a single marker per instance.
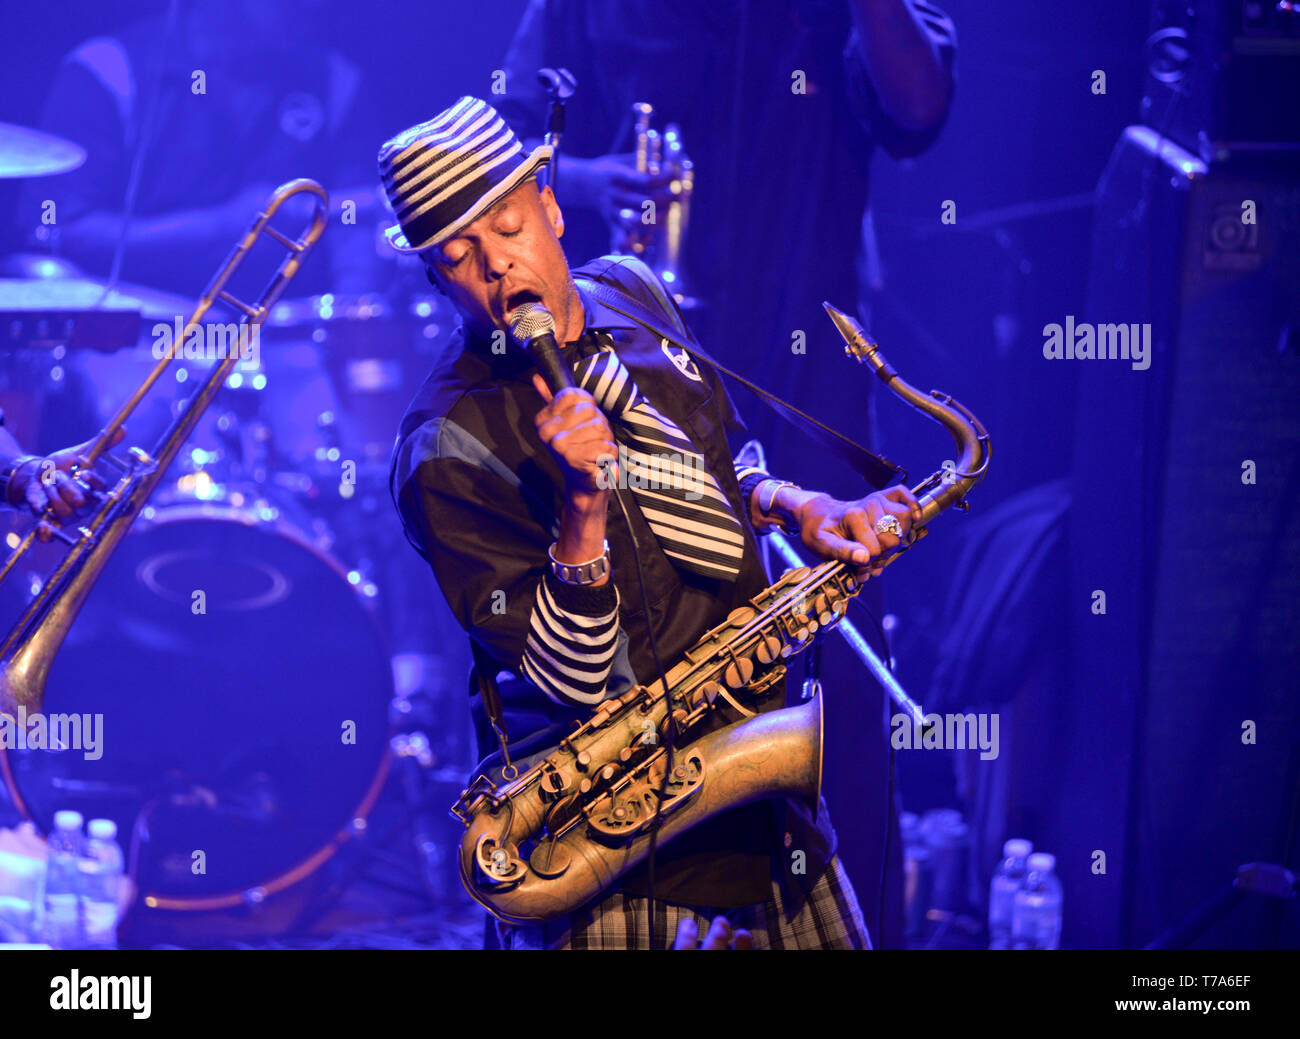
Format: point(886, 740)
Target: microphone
point(534, 329)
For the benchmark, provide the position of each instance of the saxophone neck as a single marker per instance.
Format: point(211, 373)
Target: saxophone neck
point(948, 485)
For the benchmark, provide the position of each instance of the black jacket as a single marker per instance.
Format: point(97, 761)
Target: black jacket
point(480, 495)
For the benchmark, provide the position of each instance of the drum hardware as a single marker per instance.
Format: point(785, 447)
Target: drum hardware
point(375, 352)
point(29, 648)
point(251, 564)
point(43, 314)
point(300, 639)
point(413, 760)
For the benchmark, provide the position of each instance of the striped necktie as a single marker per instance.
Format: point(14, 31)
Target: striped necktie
point(679, 497)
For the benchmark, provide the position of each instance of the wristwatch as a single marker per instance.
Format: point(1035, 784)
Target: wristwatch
point(581, 573)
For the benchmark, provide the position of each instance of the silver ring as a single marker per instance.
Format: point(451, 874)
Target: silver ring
point(889, 525)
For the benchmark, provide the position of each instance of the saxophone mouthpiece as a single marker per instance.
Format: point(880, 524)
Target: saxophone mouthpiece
point(857, 344)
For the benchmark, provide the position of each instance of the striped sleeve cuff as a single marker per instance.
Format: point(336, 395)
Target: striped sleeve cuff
point(743, 472)
point(572, 636)
point(750, 477)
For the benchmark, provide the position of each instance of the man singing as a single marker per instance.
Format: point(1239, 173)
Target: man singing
point(500, 487)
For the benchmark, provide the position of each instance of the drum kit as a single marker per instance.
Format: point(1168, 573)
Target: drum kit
point(262, 729)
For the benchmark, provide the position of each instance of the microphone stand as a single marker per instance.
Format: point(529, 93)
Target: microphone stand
point(559, 84)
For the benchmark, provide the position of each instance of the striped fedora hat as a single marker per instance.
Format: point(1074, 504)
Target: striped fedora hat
point(443, 174)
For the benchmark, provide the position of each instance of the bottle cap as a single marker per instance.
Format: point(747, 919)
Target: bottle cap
point(1017, 848)
point(67, 820)
point(102, 829)
point(1042, 862)
point(941, 819)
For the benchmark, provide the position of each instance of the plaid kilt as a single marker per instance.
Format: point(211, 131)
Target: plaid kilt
point(828, 918)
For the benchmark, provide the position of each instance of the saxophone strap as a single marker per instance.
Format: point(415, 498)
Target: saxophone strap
point(485, 671)
point(877, 471)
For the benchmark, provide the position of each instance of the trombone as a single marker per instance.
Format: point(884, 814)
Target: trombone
point(31, 644)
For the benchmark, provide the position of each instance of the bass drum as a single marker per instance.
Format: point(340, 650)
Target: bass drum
point(239, 684)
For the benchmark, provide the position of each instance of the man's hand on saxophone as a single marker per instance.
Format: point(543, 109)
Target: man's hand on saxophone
point(862, 532)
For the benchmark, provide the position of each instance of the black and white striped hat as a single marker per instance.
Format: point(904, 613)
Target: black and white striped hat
point(441, 175)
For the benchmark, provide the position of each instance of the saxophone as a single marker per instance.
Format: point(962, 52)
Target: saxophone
point(548, 841)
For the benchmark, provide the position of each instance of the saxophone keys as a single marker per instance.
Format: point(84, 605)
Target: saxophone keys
point(800, 637)
point(738, 673)
point(822, 607)
point(711, 691)
point(769, 649)
point(552, 786)
point(741, 616)
point(550, 859)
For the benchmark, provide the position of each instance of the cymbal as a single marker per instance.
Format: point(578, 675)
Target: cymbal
point(80, 294)
point(31, 153)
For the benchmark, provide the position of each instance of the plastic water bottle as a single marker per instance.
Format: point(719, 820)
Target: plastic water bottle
point(916, 875)
point(1036, 919)
point(64, 924)
point(947, 838)
point(101, 870)
point(1007, 879)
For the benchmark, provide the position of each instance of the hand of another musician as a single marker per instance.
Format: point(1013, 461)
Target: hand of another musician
point(611, 183)
point(720, 936)
point(846, 530)
point(48, 482)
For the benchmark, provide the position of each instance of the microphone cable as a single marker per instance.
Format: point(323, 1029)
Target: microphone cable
point(670, 730)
